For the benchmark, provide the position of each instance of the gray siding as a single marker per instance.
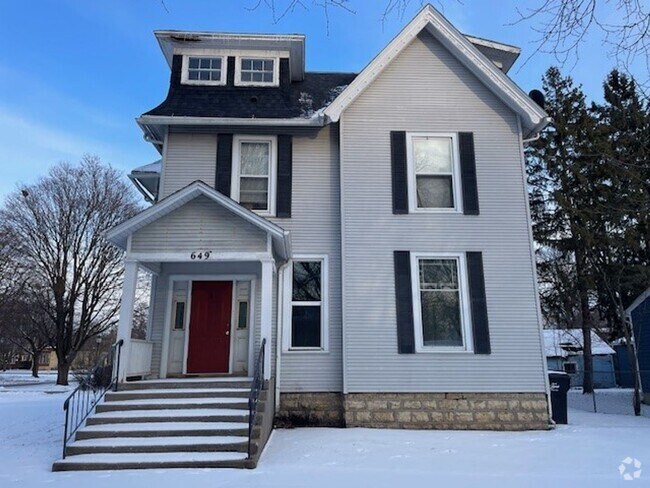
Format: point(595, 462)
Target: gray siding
point(187, 158)
point(201, 224)
point(426, 89)
point(315, 229)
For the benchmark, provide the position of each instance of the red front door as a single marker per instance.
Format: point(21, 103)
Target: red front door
point(209, 342)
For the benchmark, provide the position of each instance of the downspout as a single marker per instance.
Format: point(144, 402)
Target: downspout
point(280, 327)
point(533, 262)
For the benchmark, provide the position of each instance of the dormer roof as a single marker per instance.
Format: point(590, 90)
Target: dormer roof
point(174, 41)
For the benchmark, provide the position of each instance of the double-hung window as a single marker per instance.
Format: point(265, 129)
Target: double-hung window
point(433, 165)
point(257, 71)
point(254, 173)
point(203, 70)
point(308, 304)
point(440, 302)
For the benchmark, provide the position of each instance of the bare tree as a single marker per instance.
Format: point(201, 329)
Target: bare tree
point(564, 25)
point(56, 226)
point(25, 330)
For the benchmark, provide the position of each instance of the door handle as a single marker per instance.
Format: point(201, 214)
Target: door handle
point(227, 332)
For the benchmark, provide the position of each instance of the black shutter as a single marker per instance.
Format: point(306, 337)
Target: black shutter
point(285, 73)
point(468, 173)
point(230, 71)
point(404, 303)
point(224, 163)
point(478, 303)
point(398, 164)
point(285, 156)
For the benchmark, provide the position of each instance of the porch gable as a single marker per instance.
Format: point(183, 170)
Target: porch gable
point(199, 218)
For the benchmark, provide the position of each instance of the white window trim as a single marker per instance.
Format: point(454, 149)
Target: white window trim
point(455, 179)
point(186, 65)
point(465, 315)
point(288, 304)
point(236, 152)
point(276, 71)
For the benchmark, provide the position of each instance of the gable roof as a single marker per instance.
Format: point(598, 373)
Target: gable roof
point(638, 301)
point(119, 234)
point(564, 342)
point(533, 118)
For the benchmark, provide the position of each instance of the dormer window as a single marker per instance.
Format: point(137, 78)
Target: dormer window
point(257, 71)
point(203, 70)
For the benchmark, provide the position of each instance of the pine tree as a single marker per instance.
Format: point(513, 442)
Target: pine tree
point(559, 167)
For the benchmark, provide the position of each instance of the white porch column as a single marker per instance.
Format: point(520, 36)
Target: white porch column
point(267, 313)
point(126, 315)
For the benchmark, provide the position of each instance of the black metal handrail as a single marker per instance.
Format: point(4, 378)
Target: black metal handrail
point(90, 391)
point(254, 397)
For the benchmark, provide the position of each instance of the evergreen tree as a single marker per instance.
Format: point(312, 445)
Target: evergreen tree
point(559, 175)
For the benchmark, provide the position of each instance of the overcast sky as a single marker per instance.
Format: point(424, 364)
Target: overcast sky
point(75, 73)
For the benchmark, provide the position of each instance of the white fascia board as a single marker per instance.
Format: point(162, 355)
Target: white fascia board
point(316, 121)
point(639, 300)
point(532, 115)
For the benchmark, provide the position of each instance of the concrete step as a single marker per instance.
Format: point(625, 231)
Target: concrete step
point(172, 404)
point(187, 383)
point(159, 444)
point(140, 460)
point(170, 415)
point(181, 393)
point(165, 429)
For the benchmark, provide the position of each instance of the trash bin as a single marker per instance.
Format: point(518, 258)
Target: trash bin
point(559, 383)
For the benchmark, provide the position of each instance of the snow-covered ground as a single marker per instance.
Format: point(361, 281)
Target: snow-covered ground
point(611, 400)
point(19, 377)
point(586, 453)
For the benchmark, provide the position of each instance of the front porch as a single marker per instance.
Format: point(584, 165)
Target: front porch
point(205, 319)
point(214, 288)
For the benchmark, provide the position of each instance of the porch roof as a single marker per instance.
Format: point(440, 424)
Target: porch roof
point(119, 234)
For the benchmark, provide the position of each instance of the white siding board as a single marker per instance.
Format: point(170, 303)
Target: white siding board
point(426, 89)
point(200, 224)
point(315, 229)
point(188, 157)
point(161, 295)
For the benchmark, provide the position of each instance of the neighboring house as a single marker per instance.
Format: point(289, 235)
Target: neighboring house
point(564, 347)
point(364, 238)
point(639, 315)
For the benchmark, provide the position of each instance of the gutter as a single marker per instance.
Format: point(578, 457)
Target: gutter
point(533, 135)
point(317, 121)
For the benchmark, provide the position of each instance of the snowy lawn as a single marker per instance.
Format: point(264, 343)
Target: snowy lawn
point(586, 453)
point(19, 377)
point(610, 400)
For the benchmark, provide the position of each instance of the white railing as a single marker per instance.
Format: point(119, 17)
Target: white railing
point(139, 363)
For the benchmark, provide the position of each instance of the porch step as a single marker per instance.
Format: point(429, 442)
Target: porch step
point(163, 429)
point(187, 383)
point(179, 393)
point(184, 423)
point(170, 415)
point(142, 460)
point(159, 444)
point(172, 404)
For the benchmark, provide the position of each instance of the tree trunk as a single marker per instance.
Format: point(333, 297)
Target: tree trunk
point(62, 373)
point(35, 365)
point(587, 357)
point(585, 313)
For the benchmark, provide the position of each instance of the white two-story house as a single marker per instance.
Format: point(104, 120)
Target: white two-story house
point(359, 243)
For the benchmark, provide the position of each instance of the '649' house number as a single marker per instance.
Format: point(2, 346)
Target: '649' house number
point(200, 255)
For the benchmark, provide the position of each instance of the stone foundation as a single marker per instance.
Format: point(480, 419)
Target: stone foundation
point(310, 410)
point(477, 411)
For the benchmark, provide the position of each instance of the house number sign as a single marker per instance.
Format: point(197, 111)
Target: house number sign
point(200, 255)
